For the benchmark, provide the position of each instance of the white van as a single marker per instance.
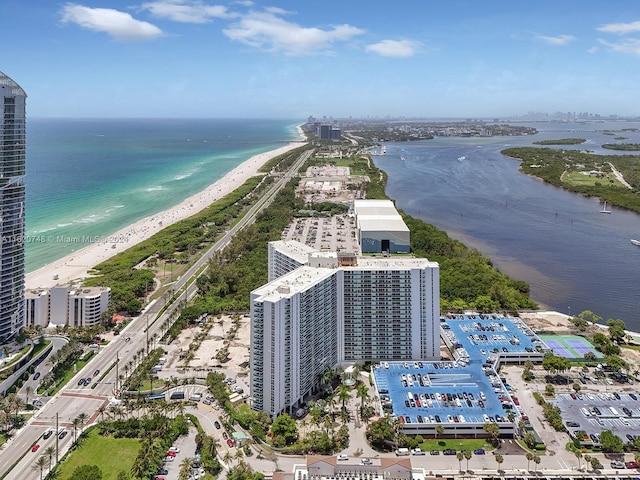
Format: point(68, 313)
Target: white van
point(403, 452)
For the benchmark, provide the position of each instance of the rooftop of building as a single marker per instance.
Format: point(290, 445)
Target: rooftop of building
point(392, 263)
point(484, 336)
point(292, 283)
point(467, 390)
point(292, 248)
point(377, 215)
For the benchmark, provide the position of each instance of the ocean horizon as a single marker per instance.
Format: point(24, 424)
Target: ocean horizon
point(88, 178)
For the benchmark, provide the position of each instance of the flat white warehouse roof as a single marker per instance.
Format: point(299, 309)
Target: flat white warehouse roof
point(378, 224)
point(374, 207)
point(378, 215)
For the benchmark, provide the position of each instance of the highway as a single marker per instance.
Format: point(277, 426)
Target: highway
point(16, 457)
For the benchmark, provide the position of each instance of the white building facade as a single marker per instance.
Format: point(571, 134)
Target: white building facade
point(65, 305)
point(325, 313)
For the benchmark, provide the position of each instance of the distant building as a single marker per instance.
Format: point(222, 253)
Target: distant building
point(328, 132)
point(324, 132)
point(381, 228)
point(65, 305)
point(12, 194)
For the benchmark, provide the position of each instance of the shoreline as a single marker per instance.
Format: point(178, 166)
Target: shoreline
point(76, 265)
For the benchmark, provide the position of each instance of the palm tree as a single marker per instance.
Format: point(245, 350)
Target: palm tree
point(327, 376)
point(578, 453)
point(467, 455)
point(75, 422)
point(587, 460)
point(83, 417)
point(28, 390)
point(439, 431)
point(459, 456)
point(226, 458)
point(185, 468)
point(40, 464)
point(529, 458)
point(343, 394)
point(49, 451)
point(499, 459)
point(214, 445)
point(536, 460)
point(362, 392)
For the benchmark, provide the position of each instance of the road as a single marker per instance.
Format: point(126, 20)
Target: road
point(619, 176)
point(16, 456)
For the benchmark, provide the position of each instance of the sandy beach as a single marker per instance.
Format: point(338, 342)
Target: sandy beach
point(76, 265)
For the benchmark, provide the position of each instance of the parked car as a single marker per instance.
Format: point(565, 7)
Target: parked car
point(417, 451)
point(47, 434)
point(449, 451)
point(632, 464)
point(343, 457)
point(35, 448)
point(229, 442)
point(479, 451)
point(171, 454)
point(434, 452)
point(36, 376)
point(617, 464)
point(174, 449)
point(216, 424)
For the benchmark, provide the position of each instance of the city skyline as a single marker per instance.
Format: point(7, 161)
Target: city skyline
point(285, 59)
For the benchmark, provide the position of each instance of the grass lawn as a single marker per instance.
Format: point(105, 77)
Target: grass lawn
point(348, 162)
point(457, 444)
point(576, 178)
point(110, 454)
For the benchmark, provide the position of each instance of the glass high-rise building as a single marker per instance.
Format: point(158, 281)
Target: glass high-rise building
point(12, 194)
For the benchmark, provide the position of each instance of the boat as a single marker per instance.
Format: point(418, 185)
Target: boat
point(604, 208)
point(462, 158)
point(635, 242)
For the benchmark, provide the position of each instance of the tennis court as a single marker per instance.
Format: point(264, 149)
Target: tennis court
point(570, 346)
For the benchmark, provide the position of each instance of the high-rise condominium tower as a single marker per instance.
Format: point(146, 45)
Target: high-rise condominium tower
point(12, 193)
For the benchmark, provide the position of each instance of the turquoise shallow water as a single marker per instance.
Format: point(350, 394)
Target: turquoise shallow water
point(92, 177)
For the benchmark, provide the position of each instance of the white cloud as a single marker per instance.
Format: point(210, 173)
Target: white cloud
point(119, 25)
point(558, 40)
point(620, 28)
point(630, 45)
point(592, 50)
point(394, 48)
point(186, 11)
point(266, 31)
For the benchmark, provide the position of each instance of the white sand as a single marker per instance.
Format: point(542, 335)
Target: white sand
point(76, 265)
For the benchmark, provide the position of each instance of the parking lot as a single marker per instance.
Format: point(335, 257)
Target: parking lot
point(595, 412)
point(440, 392)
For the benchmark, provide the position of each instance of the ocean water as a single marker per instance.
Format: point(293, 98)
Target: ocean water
point(92, 177)
point(574, 257)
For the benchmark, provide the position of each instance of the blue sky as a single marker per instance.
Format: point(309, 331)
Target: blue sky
point(291, 59)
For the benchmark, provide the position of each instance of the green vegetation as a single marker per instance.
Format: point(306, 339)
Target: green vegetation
point(110, 454)
point(561, 167)
point(561, 141)
point(176, 242)
point(631, 147)
point(551, 412)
